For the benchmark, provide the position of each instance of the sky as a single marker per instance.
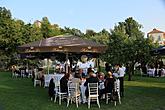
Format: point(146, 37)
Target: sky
point(90, 14)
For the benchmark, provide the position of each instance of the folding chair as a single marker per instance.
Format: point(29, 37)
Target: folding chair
point(93, 93)
point(73, 93)
point(36, 81)
point(58, 93)
point(108, 97)
point(117, 91)
point(46, 80)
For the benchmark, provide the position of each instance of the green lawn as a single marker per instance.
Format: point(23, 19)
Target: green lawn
point(141, 94)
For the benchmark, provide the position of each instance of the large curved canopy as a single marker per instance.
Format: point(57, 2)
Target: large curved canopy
point(63, 44)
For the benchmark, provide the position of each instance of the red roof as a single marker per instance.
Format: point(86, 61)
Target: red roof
point(155, 31)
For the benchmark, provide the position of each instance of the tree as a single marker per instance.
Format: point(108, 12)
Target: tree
point(45, 27)
point(102, 37)
point(127, 45)
point(90, 32)
point(72, 31)
point(7, 34)
point(55, 30)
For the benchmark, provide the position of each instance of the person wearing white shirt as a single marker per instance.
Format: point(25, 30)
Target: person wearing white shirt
point(83, 66)
point(121, 73)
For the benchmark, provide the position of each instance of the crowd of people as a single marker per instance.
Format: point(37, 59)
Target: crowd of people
point(105, 81)
point(82, 75)
point(156, 69)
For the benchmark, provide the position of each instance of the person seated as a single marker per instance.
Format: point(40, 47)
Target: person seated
point(41, 77)
point(15, 70)
point(51, 91)
point(92, 79)
point(81, 72)
point(64, 82)
point(58, 69)
point(109, 83)
point(101, 84)
point(89, 70)
point(76, 79)
point(26, 72)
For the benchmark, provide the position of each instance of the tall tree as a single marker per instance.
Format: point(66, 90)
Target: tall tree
point(45, 27)
point(7, 34)
point(127, 45)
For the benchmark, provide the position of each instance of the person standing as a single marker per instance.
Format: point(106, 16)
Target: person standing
point(121, 73)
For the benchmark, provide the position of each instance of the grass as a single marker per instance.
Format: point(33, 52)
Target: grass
point(141, 94)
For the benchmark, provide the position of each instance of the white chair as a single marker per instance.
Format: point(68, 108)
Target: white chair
point(93, 93)
point(151, 72)
point(22, 73)
point(117, 90)
point(46, 80)
point(58, 93)
point(30, 73)
point(15, 75)
point(36, 81)
point(73, 93)
point(108, 97)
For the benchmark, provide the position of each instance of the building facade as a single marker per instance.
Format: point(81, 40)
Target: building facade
point(157, 36)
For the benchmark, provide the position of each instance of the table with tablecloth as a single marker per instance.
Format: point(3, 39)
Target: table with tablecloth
point(48, 77)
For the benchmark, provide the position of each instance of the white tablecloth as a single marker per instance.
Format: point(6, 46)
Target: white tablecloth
point(48, 77)
point(150, 72)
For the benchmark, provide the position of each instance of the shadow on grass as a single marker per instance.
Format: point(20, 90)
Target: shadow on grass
point(1, 108)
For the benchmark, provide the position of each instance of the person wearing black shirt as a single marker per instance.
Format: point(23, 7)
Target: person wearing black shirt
point(51, 89)
point(92, 79)
point(64, 83)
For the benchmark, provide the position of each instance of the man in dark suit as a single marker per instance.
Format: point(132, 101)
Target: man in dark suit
point(92, 79)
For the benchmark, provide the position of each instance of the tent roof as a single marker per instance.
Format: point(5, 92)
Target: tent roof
point(63, 43)
point(158, 51)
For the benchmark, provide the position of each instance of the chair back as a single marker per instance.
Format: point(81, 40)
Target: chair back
point(57, 86)
point(72, 89)
point(117, 85)
point(36, 74)
point(93, 88)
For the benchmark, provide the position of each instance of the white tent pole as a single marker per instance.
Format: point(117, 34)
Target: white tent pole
point(48, 65)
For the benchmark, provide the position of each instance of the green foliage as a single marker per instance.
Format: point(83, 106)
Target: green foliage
point(49, 30)
point(100, 37)
point(128, 45)
point(72, 31)
point(45, 27)
point(4, 13)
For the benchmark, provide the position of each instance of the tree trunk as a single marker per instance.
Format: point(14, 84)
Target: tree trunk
point(131, 71)
point(129, 74)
